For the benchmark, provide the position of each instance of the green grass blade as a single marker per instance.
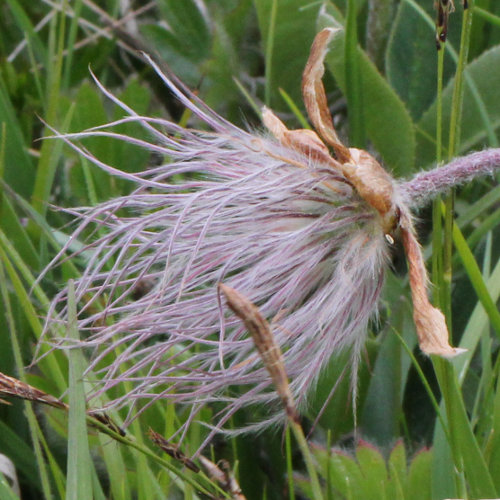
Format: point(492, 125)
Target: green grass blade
point(30, 414)
point(80, 469)
point(18, 170)
point(25, 25)
point(307, 456)
point(476, 278)
point(492, 18)
point(6, 492)
point(270, 51)
point(294, 109)
point(478, 322)
point(467, 456)
point(48, 365)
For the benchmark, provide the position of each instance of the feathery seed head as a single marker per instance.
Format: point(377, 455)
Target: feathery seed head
point(300, 233)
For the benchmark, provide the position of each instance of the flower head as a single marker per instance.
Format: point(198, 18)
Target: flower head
point(301, 233)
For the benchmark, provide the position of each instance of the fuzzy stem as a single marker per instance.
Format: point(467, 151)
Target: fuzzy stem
point(427, 185)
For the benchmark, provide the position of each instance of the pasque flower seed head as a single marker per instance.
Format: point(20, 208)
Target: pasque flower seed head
point(303, 233)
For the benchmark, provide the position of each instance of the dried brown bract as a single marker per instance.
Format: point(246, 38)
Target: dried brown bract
point(222, 473)
point(10, 386)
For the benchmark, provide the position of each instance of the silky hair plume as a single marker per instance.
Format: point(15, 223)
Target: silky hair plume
point(295, 221)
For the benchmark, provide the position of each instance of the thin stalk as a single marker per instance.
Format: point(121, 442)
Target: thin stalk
point(269, 51)
point(308, 459)
point(73, 30)
point(289, 465)
point(437, 227)
point(357, 132)
point(453, 143)
point(458, 90)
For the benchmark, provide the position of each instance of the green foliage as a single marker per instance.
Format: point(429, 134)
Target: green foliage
point(367, 475)
point(392, 108)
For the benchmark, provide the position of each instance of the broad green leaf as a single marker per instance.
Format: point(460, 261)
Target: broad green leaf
point(484, 72)
point(189, 23)
point(373, 468)
point(184, 40)
point(397, 471)
point(346, 476)
point(122, 154)
point(388, 123)
point(411, 58)
point(382, 408)
point(419, 474)
point(290, 39)
point(89, 112)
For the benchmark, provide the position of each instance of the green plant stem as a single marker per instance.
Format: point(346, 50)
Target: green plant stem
point(269, 51)
point(153, 456)
point(437, 226)
point(79, 464)
point(354, 95)
point(289, 465)
point(453, 143)
point(306, 453)
point(458, 90)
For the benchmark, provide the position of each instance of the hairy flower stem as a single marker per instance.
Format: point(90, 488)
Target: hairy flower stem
point(425, 186)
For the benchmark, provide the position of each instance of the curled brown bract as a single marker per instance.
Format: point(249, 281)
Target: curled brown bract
point(429, 321)
point(313, 93)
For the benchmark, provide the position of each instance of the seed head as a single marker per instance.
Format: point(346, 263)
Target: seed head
point(303, 234)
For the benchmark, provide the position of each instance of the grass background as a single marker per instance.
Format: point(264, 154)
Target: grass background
point(430, 429)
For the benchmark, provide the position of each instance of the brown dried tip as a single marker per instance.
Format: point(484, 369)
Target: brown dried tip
point(430, 323)
point(10, 386)
point(444, 9)
point(172, 450)
point(313, 93)
point(223, 475)
point(265, 342)
point(106, 420)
